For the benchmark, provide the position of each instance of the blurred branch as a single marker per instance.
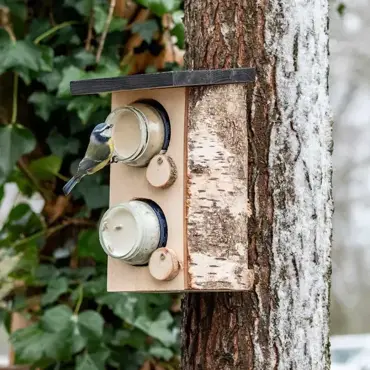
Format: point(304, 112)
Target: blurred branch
point(23, 167)
point(80, 222)
point(80, 299)
point(52, 30)
point(53, 230)
point(90, 30)
point(106, 28)
point(46, 232)
point(15, 98)
point(5, 22)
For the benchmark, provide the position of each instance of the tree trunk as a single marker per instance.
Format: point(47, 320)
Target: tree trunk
point(284, 322)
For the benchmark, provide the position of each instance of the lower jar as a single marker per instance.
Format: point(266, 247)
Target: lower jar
point(131, 231)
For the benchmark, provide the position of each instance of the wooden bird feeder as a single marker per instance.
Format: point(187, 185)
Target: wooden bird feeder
point(159, 204)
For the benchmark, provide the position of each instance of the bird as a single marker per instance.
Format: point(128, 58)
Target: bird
point(98, 154)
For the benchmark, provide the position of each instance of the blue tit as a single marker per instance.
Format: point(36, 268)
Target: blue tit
point(98, 154)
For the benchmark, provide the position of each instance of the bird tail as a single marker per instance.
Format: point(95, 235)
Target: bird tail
point(67, 188)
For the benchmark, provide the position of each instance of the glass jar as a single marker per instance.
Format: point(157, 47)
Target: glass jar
point(140, 131)
point(131, 231)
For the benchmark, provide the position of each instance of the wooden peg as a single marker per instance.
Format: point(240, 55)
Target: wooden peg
point(163, 264)
point(161, 171)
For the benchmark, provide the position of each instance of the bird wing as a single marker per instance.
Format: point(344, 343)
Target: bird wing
point(96, 154)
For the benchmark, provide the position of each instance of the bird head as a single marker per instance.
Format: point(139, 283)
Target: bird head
point(102, 132)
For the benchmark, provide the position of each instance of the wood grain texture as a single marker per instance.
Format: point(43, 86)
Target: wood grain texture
point(283, 323)
point(163, 80)
point(217, 206)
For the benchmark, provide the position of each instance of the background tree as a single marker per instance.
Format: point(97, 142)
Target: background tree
point(51, 264)
point(284, 322)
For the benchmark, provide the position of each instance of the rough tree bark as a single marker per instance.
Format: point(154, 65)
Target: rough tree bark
point(284, 322)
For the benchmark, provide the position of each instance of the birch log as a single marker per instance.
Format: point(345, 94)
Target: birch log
point(285, 118)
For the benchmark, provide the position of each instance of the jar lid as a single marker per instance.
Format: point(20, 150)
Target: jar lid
point(120, 231)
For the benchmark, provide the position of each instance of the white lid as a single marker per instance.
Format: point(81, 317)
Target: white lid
point(120, 232)
point(130, 231)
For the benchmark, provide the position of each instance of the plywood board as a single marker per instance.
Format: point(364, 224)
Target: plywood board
point(128, 182)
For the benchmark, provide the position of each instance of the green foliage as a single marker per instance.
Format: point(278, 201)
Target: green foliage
point(161, 7)
point(146, 29)
point(52, 267)
point(15, 140)
point(46, 168)
point(341, 8)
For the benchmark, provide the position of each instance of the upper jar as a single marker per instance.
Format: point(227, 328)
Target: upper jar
point(140, 131)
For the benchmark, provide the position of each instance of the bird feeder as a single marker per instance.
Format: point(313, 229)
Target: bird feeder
point(160, 207)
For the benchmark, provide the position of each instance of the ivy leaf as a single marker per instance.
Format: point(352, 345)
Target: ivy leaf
point(94, 194)
point(15, 140)
point(83, 6)
point(29, 343)
point(108, 67)
point(86, 105)
point(55, 289)
point(28, 263)
point(92, 289)
point(44, 104)
point(52, 79)
point(24, 185)
point(66, 36)
point(85, 362)
point(178, 29)
point(44, 273)
point(89, 246)
point(69, 74)
point(90, 325)
point(160, 7)
point(161, 352)
point(23, 56)
point(117, 24)
point(80, 273)
point(22, 221)
point(60, 145)
point(100, 17)
point(46, 168)
point(123, 305)
point(51, 338)
point(47, 58)
point(93, 361)
point(4, 316)
point(38, 26)
point(83, 59)
point(56, 318)
point(134, 338)
point(159, 328)
point(146, 29)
